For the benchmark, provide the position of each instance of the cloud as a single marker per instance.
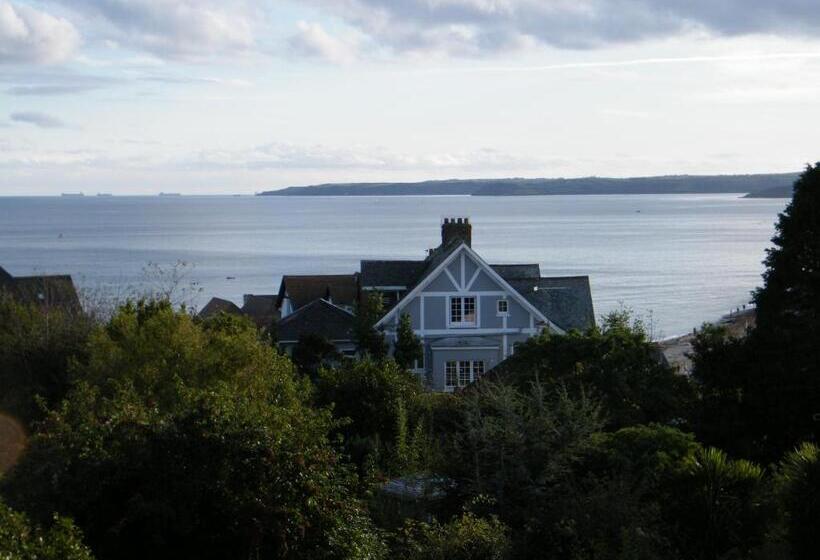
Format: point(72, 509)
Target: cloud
point(178, 29)
point(296, 156)
point(47, 90)
point(312, 41)
point(40, 120)
point(32, 36)
point(474, 27)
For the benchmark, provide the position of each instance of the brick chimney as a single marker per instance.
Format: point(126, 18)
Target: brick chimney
point(453, 229)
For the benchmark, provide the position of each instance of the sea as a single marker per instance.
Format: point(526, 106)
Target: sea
point(675, 260)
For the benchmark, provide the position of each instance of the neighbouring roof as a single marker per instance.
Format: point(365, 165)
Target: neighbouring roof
point(320, 318)
point(261, 309)
point(390, 273)
point(56, 291)
point(341, 289)
point(217, 306)
point(566, 301)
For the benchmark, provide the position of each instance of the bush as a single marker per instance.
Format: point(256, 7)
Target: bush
point(798, 482)
point(464, 538)
point(20, 541)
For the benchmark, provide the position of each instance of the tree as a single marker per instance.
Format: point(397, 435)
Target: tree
point(368, 312)
point(373, 398)
point(312, 352)
point(785, 389)
point(616, 362)
point(408, 346)
point(37, 346)
point(798, 481)
point(718, 506)
point(189, 440)
point(19, 540)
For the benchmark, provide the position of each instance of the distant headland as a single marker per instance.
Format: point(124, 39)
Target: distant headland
point(771, 185)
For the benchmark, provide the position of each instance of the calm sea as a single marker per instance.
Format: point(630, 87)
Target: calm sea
point(677, 259)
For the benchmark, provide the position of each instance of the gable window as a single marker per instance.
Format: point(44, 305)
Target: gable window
point(461, 373)
point(502, 307)
point(463, 311)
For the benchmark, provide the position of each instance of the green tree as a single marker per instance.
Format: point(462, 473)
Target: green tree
point(19, 540)
point(376, 401)
point(189, 440)
point(616, 362)
point(785, 389)
point(312, 352)
point(718, 506)
point(408, 346)
point(37, 346)
point(798, 482)
point(369, 310)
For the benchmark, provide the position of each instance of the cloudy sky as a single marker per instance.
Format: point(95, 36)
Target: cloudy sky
point(216, 96)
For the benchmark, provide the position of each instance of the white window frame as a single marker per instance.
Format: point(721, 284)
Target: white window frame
point(463, 324)
point(506, 312)
point(464, 372)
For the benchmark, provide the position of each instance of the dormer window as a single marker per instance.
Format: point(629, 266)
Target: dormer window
point(462, 311)
point(502, 307)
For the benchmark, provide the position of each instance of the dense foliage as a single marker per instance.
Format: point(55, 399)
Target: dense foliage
point(19, 540)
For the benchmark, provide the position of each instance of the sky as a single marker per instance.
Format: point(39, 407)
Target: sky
point(240, 96)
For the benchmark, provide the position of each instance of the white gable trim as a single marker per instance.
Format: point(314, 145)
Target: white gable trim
point(482, 266)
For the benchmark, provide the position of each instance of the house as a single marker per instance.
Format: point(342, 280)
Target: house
point(48, 292)
point(318, 318)
point(469, 314)
point(261, 309)
point(297, 291)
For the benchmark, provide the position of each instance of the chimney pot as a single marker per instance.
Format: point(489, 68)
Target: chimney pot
point(453, 229)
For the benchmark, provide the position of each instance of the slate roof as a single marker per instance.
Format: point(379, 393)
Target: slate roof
point(517, 271)
point(55, 291)
point(390, 273)
point(566, 301)
point(217, 306)
point(320, 318)
point(261, 309)
point(342, 289)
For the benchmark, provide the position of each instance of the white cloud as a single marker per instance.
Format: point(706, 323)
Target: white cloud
point(313, 41)
point(473, 27)
point(179, 29)
point(32, 36)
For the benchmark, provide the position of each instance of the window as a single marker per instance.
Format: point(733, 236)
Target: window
point(463, 311)
point(502, 307)
point(419, 364)
point(462, 373)
point(450, 374)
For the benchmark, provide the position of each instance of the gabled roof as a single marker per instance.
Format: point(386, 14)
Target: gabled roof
point(441, 257)
point(342, 289)
point(390, 273)
point(261, 309)
point(217, 306)
point(4, 276)
point(567, 301)
point(320, 318)
point(517, 271)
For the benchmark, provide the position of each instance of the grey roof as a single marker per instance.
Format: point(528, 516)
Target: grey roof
point(261, 309)
point(342, 289)
point(320, 318)
point(56, 291)
point(566, 301)
point(464, 342)
point(517, 271)
point(217, 306)
point(390, 273)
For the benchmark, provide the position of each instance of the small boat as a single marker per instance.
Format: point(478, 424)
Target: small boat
point(230, 278)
